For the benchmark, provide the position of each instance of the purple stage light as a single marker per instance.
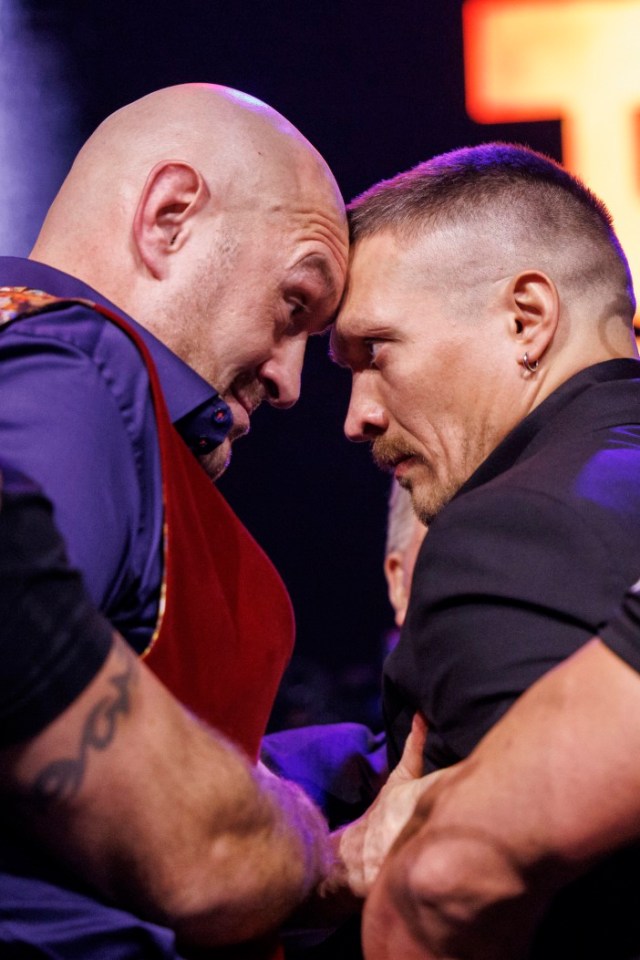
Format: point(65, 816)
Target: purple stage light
point(36, 124)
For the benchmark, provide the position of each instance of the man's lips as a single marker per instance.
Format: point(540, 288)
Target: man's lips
point(241, 415)
point(389, 456)
point(401, 466)
point(243, 406)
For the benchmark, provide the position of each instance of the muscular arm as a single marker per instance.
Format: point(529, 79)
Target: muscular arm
point(102, 766)
point(161, 814)
point(550, 789)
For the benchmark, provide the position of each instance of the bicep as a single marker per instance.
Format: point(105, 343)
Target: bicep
point(565, 754)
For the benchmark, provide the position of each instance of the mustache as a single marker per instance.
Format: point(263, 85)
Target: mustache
point(249, 392)
point(387, 452)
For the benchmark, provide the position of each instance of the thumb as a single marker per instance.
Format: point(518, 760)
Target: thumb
point(411, 763)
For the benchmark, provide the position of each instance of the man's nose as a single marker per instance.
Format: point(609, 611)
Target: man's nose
point(282, 372)
point(366, 417)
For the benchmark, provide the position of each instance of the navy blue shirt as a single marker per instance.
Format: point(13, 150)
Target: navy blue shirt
point(76, 415)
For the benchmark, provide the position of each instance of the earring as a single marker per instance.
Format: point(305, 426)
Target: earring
point(530, 365)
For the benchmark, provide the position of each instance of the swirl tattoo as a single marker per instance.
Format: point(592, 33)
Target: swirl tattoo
point(61, 779)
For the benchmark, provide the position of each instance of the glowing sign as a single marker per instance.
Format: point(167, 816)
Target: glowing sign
point(573, 60)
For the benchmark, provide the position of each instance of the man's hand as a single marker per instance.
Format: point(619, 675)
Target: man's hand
point(550, 789)
point(363, 845)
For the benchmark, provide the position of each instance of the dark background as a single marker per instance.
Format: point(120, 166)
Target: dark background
point(377, 87)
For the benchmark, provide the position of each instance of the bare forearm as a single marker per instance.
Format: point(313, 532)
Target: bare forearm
point(551, 788)
point(164, 816)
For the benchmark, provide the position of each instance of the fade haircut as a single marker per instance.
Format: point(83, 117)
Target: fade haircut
point(503, 187)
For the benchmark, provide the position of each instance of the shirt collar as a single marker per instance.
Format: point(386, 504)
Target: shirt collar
point(564, 404)
point(197, 410)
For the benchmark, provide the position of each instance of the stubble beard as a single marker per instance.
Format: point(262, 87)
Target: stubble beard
point(251, 391)
point(430, 490)
point(216, 461)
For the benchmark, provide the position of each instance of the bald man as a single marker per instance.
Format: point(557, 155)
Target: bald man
point(488, 326)
point(196, 244)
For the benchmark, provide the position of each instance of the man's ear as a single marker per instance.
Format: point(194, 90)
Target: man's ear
point(174, 192)
point(394, 574)
point(534, 308)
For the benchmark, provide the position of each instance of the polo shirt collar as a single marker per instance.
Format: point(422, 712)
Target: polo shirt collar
point(561, 408)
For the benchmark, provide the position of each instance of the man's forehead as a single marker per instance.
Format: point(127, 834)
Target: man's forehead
point(413, 256)
point(379, 274)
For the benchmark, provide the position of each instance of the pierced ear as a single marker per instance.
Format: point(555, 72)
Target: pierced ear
point(534, 309)
point(174, 192)
point(394, 574)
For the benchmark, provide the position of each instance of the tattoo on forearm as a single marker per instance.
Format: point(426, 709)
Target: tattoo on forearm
point(62, 779)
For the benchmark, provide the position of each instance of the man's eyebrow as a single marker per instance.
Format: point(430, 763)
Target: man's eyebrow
point(315, 263)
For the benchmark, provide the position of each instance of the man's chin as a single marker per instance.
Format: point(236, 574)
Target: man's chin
point(216, 461)
point(429, 496)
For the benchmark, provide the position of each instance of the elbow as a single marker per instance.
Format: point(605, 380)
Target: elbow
point(455, 882)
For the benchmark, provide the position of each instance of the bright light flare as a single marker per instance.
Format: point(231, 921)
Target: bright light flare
point(573, 60)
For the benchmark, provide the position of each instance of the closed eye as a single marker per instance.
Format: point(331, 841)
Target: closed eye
point(298, 306)
point(373, 347)
point(298, 312)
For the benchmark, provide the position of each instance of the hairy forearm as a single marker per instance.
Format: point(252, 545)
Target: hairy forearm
point(550, 789)
point(163, 815)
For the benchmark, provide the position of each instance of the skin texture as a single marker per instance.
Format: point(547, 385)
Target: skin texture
point(434, 326)
point(206, 216)
point(433, 329)
point(209, 218)
point(104, 786)
point(398, 567)
point(525, 813)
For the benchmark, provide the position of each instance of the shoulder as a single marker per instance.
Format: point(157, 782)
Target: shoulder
point(75, 330)
point(77, 417)
point(74, 367)
point(554, 520)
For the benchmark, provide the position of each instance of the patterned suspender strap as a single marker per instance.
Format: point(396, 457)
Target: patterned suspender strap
point(16, 302)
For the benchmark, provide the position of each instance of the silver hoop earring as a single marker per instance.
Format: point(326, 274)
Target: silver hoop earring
point(530, 366)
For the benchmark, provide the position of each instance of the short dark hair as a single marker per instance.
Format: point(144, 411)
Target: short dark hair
point(463, 185)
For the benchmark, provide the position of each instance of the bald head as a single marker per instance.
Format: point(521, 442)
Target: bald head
point(243, 147)
point(205, 215)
